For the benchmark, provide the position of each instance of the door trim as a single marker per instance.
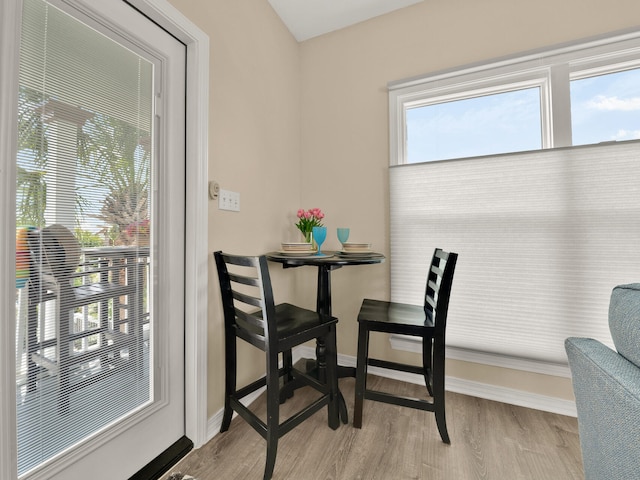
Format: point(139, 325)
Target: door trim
point(196, 241)
point(197, 226)
point(10, 14)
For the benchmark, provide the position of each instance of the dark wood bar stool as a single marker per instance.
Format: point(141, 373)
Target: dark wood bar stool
point(428, 322)
point(251, 315)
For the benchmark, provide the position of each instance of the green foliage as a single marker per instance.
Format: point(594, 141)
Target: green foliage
point(31, 189)
point(89, 239)
point(110, 159)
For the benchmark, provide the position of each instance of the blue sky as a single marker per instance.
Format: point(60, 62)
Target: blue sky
point(606, 108)
point(603, 108)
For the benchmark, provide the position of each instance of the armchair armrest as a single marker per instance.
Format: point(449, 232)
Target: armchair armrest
point(607, 391)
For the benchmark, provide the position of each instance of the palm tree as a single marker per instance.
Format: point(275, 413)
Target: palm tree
point(112, 168)
point(114, 150)
point(32, 161)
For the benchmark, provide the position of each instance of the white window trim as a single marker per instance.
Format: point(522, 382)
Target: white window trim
point(552, 69)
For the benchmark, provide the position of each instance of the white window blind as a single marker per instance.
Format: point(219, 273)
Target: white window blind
point(82, 211)
point(543, 237)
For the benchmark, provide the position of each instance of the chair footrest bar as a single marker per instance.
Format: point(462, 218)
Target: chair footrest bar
point(308, 380)
point(302, 415)
point(399, 400)
point(395, 366)
point(249, 417)
point(286, 426)
point(252, 387)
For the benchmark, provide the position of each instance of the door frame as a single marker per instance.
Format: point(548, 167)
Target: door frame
point(197, 205)
point(196, 216)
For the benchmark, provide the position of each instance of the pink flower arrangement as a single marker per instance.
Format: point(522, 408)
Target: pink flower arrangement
point(307, 219)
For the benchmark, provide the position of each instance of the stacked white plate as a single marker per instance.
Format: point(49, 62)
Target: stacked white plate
point(352, 247)
point(297, 248)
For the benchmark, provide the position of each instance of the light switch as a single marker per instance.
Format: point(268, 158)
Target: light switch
point(228, 200)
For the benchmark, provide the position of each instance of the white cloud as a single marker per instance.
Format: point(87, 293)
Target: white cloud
point(626, 135)
point(601, 102)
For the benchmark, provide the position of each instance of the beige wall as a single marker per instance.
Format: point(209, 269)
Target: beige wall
point(254, 148)
point(306, 125)
point(345, 144)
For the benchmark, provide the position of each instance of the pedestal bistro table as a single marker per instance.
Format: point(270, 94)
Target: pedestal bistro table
point(326, 263)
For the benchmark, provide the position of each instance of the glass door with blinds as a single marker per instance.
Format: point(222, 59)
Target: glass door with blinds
point(94, 251)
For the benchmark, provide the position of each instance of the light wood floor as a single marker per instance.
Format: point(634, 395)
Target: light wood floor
point(489, 440)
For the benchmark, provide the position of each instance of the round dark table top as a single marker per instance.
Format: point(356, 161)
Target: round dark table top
point(331, 259)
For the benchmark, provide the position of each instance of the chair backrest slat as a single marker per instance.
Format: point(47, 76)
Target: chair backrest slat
point(250, 319)
point(247, 295)
point(248, 299)
point(430, 301)
point(243, 279)
point(438, 289)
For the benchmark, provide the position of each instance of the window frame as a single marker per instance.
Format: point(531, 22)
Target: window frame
point(552, 70)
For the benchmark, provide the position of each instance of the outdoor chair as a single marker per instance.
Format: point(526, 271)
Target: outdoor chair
point(84, 319)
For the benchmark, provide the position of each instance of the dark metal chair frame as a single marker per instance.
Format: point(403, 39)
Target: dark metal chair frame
point(250, 314)
point(427, 322)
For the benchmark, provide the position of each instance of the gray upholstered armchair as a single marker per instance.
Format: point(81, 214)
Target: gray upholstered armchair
point(607, 390)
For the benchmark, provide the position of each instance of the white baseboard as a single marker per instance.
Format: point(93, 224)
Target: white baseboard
point(413, 344)
point(466, 387)
point(215, 422)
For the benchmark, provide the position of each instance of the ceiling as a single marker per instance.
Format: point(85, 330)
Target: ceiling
point(309, 18)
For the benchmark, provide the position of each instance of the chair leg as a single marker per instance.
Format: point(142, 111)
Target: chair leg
point(361, 374)
point(64, 358)
point(32, 339)
point(230, 381)
point(272, 450)
point(427, 353)
point(287, 363)
point(438, 392)
point(332, 379)
point(273, 414)
point(441, 422)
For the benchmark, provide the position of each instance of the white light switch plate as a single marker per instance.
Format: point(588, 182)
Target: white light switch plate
point(228, 200)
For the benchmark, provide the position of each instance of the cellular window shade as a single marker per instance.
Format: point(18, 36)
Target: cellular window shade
point(82, 211)
point(543, 237)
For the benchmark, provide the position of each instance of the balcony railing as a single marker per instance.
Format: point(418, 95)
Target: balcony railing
point(83, 324)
